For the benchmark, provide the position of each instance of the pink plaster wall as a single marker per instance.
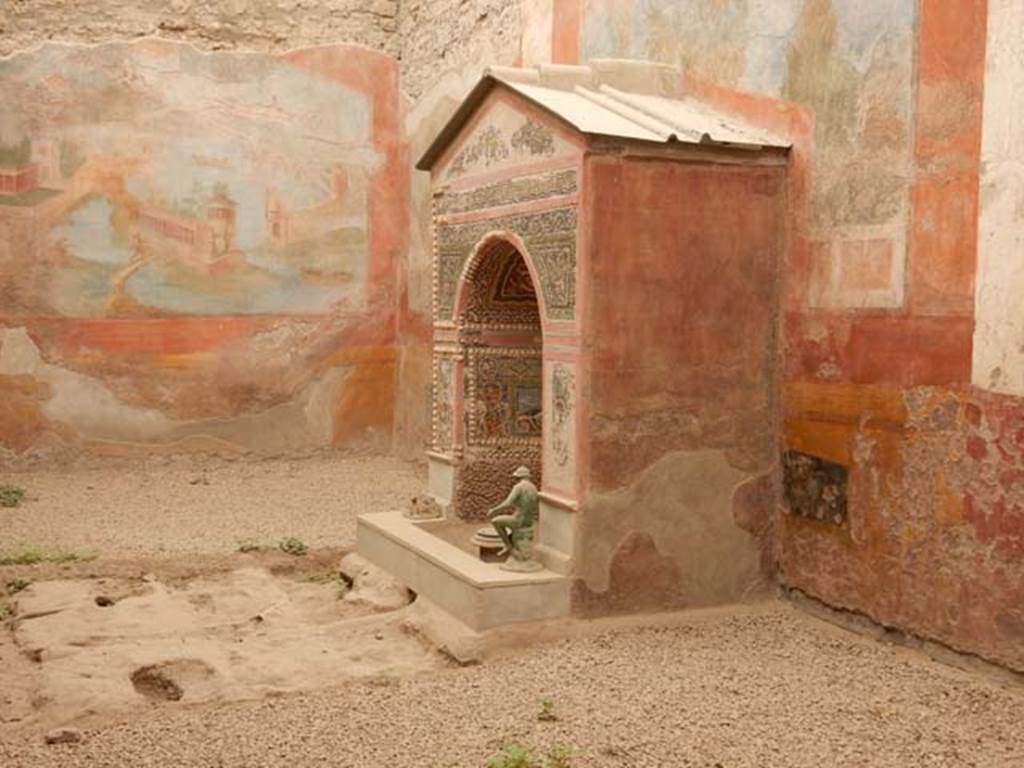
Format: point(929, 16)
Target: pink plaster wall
point(682, 365)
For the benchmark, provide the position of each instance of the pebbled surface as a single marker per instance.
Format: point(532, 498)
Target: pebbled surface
point(765, 686)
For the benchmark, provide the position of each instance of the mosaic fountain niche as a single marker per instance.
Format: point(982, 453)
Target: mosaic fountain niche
point(491, 415)
point(604, 313)
point(488, 399)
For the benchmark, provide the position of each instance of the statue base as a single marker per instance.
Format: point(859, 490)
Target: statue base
point(521, 566)
point(521, 560)
point(489, 544)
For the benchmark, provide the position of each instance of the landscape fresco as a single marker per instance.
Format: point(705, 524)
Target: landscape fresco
point(154, 180)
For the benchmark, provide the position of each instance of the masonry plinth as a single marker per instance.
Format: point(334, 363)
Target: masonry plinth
point(480, 595)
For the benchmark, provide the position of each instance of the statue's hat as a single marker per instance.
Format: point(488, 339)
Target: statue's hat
point(522, 472)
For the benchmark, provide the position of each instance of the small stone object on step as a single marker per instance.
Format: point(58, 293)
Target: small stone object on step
point(424, 508)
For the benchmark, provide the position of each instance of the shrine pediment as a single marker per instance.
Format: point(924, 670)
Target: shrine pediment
point(516, 116)
point(505, 136)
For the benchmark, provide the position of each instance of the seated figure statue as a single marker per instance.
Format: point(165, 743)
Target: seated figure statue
point(516, 530)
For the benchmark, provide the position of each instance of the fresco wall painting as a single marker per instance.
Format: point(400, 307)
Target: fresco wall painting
point(883, 101)
point(148, 189)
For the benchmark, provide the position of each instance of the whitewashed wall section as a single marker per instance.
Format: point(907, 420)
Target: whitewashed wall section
point(999, 292)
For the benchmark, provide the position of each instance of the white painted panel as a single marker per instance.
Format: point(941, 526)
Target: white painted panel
point(999, 293)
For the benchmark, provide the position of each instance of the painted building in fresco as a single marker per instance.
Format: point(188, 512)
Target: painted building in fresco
point(300, 315)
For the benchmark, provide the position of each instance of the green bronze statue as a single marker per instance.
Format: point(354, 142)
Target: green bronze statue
point(516, 530)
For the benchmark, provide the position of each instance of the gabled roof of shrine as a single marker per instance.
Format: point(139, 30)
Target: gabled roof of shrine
point(613, 98)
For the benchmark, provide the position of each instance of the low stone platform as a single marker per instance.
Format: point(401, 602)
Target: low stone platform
point(480, 595)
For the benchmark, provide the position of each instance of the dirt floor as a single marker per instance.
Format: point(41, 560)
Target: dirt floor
point(165, 646)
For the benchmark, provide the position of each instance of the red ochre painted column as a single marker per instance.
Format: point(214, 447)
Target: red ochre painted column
point(565, 31)
point(947, 150)
point(930, 342)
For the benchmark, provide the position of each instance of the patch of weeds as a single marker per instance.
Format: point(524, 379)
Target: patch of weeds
point(547, 712)
point(514, 756)
point(293, 546)
point(330, 578)
point(560, 756)
point(7, 610)
point(33, 555)
point(518, 756)
point(383, 681)
point(249, 545)
point(11, 495)
point(17, 585)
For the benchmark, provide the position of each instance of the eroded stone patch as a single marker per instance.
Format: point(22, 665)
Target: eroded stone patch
point(152, 683)
point(167, 681)
point(100, 648)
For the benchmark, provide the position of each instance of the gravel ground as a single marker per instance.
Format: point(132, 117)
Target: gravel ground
point(202, 505)
point(766, 687)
